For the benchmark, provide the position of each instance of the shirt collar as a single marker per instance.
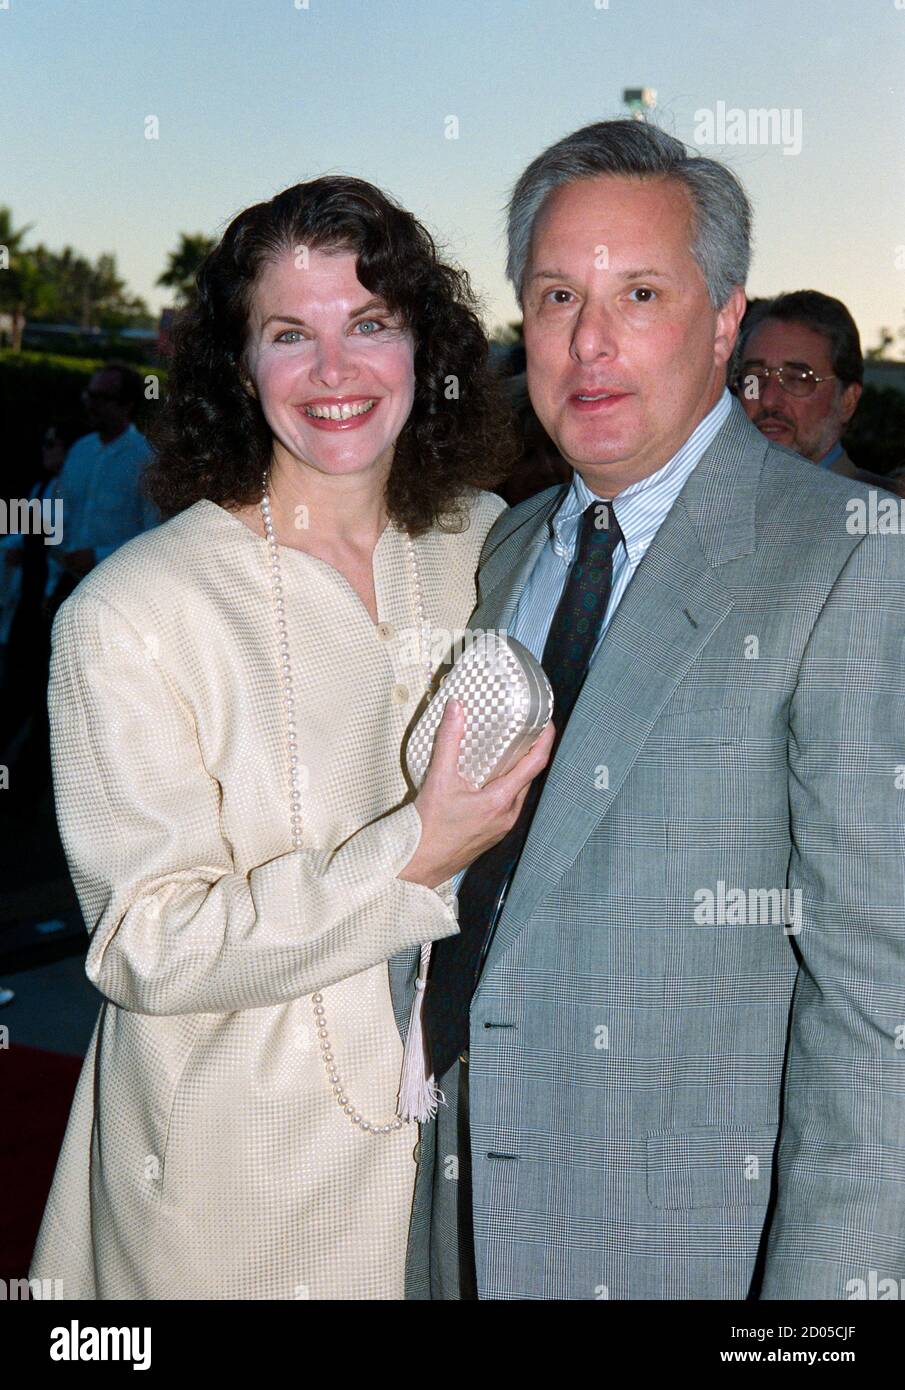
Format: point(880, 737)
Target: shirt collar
point(835, 453)
point(642, 506)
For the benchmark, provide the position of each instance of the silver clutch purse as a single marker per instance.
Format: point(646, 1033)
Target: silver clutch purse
point(508, 702)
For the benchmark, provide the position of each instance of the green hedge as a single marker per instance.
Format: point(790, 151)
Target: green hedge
point(36, 389)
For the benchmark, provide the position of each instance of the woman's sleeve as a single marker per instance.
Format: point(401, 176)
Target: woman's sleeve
point(175, 929)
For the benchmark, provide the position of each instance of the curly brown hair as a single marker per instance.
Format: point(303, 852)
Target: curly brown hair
point(212, 439)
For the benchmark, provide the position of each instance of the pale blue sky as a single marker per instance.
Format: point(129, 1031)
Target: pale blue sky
point(252, 95)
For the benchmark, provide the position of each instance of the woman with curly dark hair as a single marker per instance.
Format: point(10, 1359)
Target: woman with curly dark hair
point(229, 698)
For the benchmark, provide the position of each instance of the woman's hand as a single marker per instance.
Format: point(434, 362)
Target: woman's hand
point(459, 822)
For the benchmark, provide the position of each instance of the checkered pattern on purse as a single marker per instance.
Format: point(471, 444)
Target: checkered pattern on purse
point(507, 700)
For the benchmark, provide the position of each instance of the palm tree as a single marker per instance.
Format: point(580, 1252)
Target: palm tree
point(183, 264)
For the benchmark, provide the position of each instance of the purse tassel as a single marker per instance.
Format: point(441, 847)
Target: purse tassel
point(419, 1095)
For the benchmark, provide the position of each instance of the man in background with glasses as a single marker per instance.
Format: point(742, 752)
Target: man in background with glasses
point(801, 375)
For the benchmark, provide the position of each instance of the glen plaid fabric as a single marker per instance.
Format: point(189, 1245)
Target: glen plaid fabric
point(666, 1100)
point(456, 962)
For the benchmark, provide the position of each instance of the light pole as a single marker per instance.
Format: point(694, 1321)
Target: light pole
point(639, 101)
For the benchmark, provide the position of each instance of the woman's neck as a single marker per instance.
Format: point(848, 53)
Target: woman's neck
point(349, 510)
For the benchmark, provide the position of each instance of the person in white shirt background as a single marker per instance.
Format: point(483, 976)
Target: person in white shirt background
point(104, 504)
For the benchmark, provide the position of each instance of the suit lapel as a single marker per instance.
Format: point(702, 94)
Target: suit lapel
point(670, 610)
point(505, 571)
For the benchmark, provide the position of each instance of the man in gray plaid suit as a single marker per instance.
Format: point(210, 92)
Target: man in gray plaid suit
point(673, 1054)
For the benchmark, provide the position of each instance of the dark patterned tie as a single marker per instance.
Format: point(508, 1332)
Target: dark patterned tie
point(456, 961)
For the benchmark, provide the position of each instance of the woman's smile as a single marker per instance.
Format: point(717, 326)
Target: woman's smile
point(339, 412)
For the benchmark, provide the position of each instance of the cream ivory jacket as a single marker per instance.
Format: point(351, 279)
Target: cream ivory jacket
point(205, 1154)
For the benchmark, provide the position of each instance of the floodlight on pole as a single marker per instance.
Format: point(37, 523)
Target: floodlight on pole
point(639, 101)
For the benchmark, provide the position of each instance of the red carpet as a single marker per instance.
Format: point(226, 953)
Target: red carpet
point(36, 1090)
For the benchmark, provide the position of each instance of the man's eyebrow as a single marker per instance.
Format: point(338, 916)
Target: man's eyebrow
point(645, 272)
point(367, 308)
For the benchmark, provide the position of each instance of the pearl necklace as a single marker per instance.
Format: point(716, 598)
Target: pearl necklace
point(295, 794)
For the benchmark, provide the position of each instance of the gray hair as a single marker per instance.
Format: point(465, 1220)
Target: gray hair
point(633, 149)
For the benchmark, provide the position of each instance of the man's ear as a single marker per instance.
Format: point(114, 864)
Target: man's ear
point(728, 320)
point(849, 399)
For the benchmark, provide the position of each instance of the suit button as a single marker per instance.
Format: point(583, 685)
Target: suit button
point(386, 632)
point(463, 1057)
point(400, 694)
point(416, 1152)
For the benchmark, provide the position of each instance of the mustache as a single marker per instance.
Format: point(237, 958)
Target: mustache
point(772, 415)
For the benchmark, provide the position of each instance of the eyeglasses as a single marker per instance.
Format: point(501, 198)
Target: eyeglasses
point(795, 381)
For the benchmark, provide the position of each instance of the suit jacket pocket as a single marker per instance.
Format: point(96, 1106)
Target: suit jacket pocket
point(724, 724)
point(714, 1166)
point(725, 805)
